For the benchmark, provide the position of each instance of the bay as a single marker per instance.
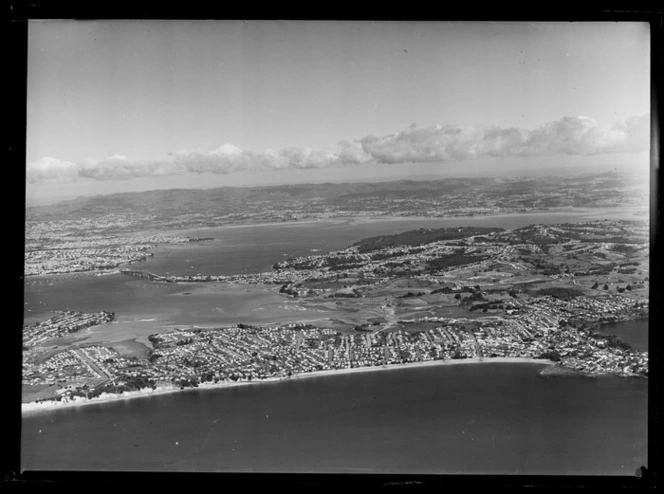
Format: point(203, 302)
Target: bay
point(256, 248)
point(634, 332)
point(489, 418)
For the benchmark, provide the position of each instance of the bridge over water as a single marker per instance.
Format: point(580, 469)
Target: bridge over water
point(143, 274)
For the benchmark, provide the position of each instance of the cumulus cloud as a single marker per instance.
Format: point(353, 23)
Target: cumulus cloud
point(569, 135)
point(50, 169)
point(225, 159)
point(578, 135)
point(119, 167)
point(229, 158)
point(631, 135)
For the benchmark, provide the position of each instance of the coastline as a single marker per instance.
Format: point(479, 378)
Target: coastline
point(581, 212)
point(50, 405)
point(74, 274)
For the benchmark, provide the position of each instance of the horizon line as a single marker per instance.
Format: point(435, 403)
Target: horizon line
point(515, 173)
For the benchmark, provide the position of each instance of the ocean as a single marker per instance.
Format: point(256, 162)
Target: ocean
point(489, 418)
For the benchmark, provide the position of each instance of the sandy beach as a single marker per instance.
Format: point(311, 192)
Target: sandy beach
point(45, 406)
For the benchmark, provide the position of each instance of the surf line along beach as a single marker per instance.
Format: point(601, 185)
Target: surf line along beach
point(48, 405)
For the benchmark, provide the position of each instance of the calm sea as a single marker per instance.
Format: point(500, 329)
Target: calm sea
point(486, 418)
point(633, 332)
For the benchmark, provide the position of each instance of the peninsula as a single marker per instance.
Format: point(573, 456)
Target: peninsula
point(539, 293)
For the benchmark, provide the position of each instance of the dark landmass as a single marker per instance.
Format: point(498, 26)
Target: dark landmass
point(189, 208)
point(539, 292)
point(421, 236)
point(103, 232)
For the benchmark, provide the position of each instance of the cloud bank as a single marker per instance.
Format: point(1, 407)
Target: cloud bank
point(445, 144)
point(569, 135)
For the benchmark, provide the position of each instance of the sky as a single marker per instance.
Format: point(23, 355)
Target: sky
point(136, 105)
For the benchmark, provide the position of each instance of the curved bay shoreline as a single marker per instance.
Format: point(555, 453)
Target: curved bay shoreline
point(50, 405)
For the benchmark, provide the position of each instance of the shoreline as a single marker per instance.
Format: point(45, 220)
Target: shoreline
point(583, 212)
point(50, 405)
point(73, 274)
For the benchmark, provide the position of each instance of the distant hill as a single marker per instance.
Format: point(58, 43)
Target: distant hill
point(205, 199)
point(457, 196)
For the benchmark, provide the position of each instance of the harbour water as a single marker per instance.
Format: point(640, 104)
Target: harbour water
point(252, 249)
point(234, 250)
point(633, 332)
